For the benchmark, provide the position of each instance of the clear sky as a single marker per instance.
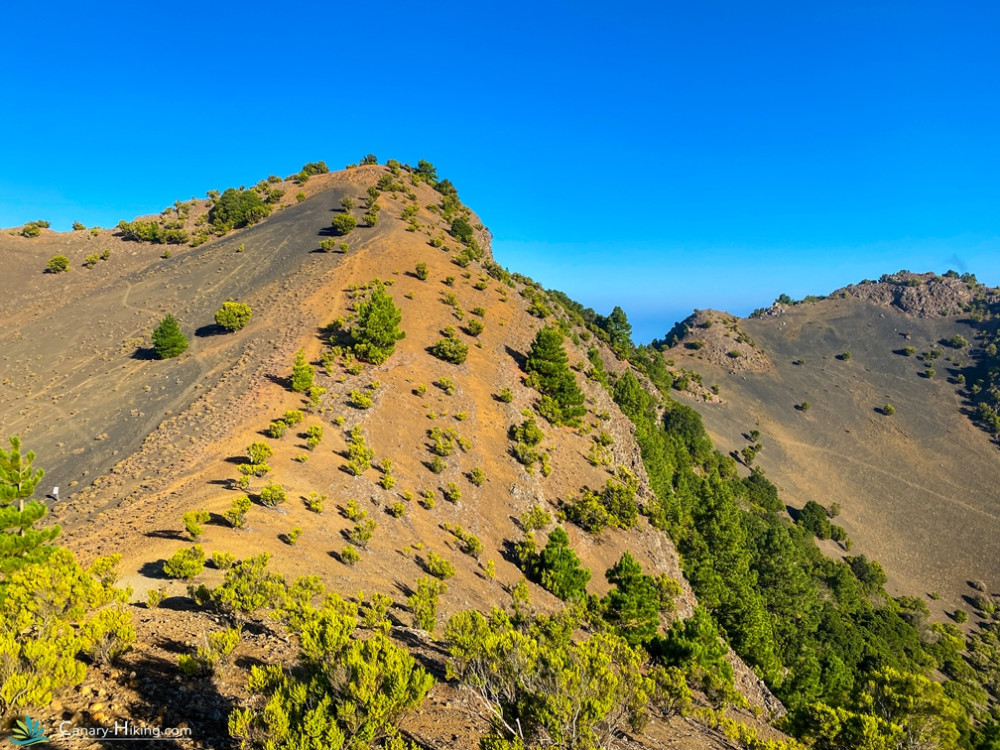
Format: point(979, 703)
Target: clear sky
point(658, 155)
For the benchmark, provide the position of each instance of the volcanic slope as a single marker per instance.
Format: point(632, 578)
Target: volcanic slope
point(858, 403)
point(155, 439)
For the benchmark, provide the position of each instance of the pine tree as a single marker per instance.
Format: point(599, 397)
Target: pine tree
point(302, 373)
point(633, 606)
point(619, 331)
point(559, 568)
point(20, 543)
point(562, 399)
point(168, 341)
point(377, 331)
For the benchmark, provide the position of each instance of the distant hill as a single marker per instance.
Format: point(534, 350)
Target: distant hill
point(914, 487)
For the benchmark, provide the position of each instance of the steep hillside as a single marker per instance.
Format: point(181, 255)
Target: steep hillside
point(136, 442)
point(914, 486)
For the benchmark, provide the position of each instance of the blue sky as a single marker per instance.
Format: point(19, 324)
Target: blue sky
point(661, 156)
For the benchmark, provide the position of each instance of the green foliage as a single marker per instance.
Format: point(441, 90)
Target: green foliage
point(277, 428)
point(233, 316)
point(302, 373)
point(547, 365)
point(293, 417)
point(223, 560)
point(51, 613)
point(237, 208)
point(633, 606)
point(477, 476)
point(452, 493)
point(422, 272)
point(194, 520)
point(168, 341)
point(557, 568)
point(505, 395)
point(315, 502)
point(695, 645)
point(537, 682)
point(536, 519)
point(377, 329)
point(361, 400)
point(258, 452)
point(527, 439)
point(273, 494)
point(359, 455)
point(362, 533)
point(439, 567)
point(57, 264)
point(461, 229)
point(614, 506)
point(185, 564)
point(345, 691)
point(344, 224)
point(469, 543)
point(424, 602)
point(450, 348)
point(474, 327)
point(247, 587)
point(237, 514)
point(350, 556)
point(218, 647)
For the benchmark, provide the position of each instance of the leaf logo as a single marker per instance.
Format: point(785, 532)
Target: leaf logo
point(27, 732)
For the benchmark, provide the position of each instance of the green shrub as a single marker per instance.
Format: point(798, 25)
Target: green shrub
point(193, 521)
point(293, 417)
point(273, 494)
point(347, 203)
point(446, 384)
point(477, 476)
point(344, 224)
point(474, 327)
point(258, 452)
point(349, 555)
point(237, 208)
point(237, 514)
point(277, 428)
point(57, 264)
point(353, 511)
point(155, 597)
point(91, 260)
point(315, 502)
point(422, 272)
point(397, 509)
point(450, 349)
point(293, 536)
point(424, 602)
point(185, 563)
point(362, 533)
point(452, 493)
point(377, 329)
point(358, 453)
point(223, 560)
point(233, 316)
point(168, 341)
point(506, 395)
point(439, 567)
point(888, 409)
point(302, 373)
point(536, 519)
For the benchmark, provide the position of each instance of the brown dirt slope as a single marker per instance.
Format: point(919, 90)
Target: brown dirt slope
point(148, 440)
point(916, 488)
